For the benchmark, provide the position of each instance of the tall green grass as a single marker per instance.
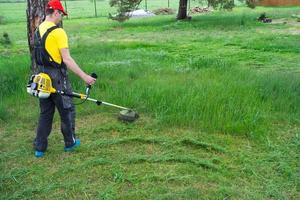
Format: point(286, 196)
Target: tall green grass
point(206, 93)
point(234, 101)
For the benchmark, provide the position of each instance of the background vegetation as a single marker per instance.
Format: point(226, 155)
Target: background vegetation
point(218, 98)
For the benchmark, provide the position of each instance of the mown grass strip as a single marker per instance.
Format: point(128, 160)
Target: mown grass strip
point(129, 140)
point(136, 159)
point(171, 158)
point(161, 141)
point(197, 144)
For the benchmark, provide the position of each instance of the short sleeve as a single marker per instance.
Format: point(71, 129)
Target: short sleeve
point(61, 38)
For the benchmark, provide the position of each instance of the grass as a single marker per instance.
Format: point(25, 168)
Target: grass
point(218, 98)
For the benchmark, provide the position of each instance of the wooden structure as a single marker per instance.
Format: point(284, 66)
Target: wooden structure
point(278, 3)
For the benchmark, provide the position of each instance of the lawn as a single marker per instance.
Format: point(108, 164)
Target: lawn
point(218, 98)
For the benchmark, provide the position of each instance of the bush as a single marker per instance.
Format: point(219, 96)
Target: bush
point(251, 3)
point(5, 39)
point(123, 7)
point(221, 4)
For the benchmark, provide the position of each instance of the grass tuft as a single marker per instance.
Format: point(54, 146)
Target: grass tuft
point(172, 158)
point(192, 142)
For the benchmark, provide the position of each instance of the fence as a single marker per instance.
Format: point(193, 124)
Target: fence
point(101, 8)
point(15, 9)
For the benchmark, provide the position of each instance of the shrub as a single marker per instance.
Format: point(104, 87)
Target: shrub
point(251, 3)
point(221, 4)
point(5, 39)
point(123, 8)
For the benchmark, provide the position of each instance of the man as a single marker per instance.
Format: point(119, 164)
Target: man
point(53, 57)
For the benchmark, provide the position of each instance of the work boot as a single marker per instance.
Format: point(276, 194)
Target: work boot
point(39, 154)
point(71, 148)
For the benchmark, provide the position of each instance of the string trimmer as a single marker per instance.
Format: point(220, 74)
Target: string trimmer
point(40, 86)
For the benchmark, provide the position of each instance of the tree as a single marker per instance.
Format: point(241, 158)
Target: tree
point(123, 8)
point(35, 15)
point(182, 10)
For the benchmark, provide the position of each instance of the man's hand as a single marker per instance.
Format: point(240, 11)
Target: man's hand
point(89, 80)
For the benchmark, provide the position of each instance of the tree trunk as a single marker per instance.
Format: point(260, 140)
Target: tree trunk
point(182, 11)
point(35, 15)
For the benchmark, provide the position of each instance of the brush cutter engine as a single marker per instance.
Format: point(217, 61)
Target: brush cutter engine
point(40, 85)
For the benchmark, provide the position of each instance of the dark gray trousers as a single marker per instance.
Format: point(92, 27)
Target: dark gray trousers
point(67, 116)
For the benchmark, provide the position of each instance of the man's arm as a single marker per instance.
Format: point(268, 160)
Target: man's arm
point(71, 64)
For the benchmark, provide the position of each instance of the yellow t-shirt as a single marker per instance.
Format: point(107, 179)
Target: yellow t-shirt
point(55, 41)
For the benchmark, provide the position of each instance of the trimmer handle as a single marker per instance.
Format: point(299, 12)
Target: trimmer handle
point(94, 75)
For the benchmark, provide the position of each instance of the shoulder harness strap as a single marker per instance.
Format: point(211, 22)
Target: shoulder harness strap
point(42, 43)
point(49, 30)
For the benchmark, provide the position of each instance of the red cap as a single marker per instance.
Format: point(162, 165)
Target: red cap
point(56, 5)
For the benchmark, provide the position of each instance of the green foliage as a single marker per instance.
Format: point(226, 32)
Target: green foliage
point(250, 3)
point(5, 41)
point(218, 4)
point(221, 4)
point(227, 4)
point(123, 8)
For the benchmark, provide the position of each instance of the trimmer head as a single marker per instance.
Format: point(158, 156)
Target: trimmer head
point(128, 116)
